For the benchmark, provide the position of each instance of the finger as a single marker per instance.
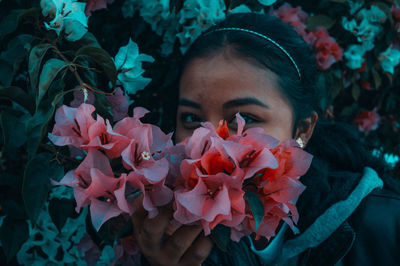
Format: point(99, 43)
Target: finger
point(181, 241)
point(153, 229)
point(139, 215)
point(171, 228)
point(198, 252)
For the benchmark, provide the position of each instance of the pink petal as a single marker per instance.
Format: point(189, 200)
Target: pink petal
point(68, 180)
point(193, 200)
point(101, 211)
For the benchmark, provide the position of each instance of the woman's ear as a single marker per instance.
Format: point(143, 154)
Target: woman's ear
point(305, 129)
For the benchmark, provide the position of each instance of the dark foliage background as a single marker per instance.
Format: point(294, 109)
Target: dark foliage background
point(367, 97)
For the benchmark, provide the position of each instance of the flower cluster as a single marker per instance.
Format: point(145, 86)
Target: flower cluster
point(67, 16)
point(93, 181)
point(327, 50)
point(128, 62)
point(367, 120)
point(225, 177)
point(247, 181)
point(366, 26)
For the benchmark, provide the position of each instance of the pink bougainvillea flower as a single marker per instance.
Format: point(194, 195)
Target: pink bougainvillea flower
point(102, 136)
point(293, 161)
point(72, 125)
point(94, 180)
point(79, 97)
point(367, 120)
point(155, 193)
point(119, 104)
point(93, 5)
point(146, 141)
point(215, 199)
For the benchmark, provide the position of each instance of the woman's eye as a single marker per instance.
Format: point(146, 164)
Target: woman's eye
point(191, 120)
point(248, 118)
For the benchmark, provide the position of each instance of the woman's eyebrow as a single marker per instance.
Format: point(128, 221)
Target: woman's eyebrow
point(244, 101)
point(189, 103)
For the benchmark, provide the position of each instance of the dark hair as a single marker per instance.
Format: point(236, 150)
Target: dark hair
point(337, 147)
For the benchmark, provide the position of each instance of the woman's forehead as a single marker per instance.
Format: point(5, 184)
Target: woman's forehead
point(227, 77)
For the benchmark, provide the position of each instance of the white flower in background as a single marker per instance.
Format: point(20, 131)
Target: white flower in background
point(366, 25)
point(267, 2)
point(197, 16)
point(240, 9)
point(389, 59)
point(354, 55)
point(128, 62)
point(67, 15)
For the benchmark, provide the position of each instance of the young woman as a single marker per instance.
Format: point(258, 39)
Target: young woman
point(258, 66)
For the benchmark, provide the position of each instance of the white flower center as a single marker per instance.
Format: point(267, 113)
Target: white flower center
point(145, 155)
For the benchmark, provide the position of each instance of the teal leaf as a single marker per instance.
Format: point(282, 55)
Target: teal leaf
point(13, 127)
point(10, 22)
point(221, 236)
point(35, 128)
point(256, 207)
point(102, 58)
point(13, 234)
point(49, 72)
point(35, 60)
point(36, 184)
point(19, 96)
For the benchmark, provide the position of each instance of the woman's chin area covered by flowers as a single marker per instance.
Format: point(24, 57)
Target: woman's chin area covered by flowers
point(89, 146)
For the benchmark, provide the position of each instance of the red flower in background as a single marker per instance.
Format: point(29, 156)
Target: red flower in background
point(293, 16)
point(328, 51)
point(396, 12)
point(367, 120)
point(93, 5)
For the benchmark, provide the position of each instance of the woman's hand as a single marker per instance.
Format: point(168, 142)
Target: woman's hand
point(162, 244)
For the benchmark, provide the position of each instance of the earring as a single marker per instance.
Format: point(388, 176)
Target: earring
point(300, 141)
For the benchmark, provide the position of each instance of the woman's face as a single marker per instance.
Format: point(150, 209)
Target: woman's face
point(215, 88)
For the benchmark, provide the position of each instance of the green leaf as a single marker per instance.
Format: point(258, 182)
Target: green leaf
point(87, 40)
point(36, 184)
point(13, 127)
point(19, 96)
point(256, 207)
point(10, 22)
point(175, 5)
point(35, 61)
point(355, 91)
point(60, 210)
point(320, 20)
point(36, 127)
point(13, 234)
point(339, 1)
point(50, 70)
point(377, 78)
point(221, 236)
point(102, 58)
